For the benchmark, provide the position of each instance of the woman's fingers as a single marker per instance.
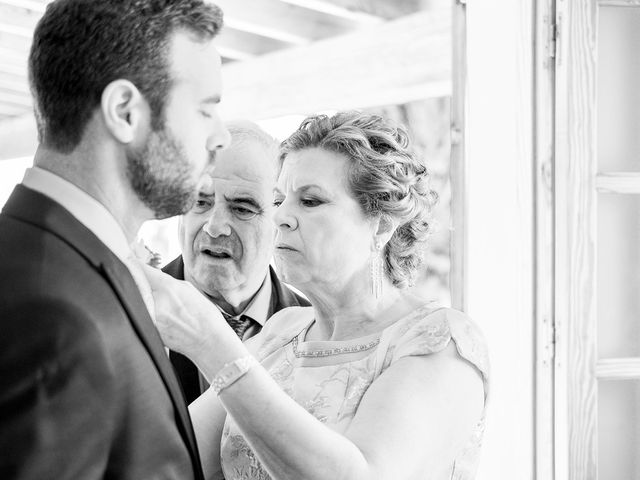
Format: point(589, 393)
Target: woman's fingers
point(157, 278)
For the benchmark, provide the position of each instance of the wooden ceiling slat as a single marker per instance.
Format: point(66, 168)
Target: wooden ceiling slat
point(388, 10)
point(18, 135)
point(396, 62)
point(268, 31)
point(337, 10)
point(16, 99)
point(232, 54)
point(19, 17)
point(249, 43)
point(15, 30)
point(12, 77)
point(13, 110)
point(17, 43)
point(9, 83)
point(280, 57)
point(11, 69)
point(31, 5)
point(296, 24)
point(12, 56)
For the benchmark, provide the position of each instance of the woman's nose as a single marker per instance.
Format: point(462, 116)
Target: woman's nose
point(284, 218)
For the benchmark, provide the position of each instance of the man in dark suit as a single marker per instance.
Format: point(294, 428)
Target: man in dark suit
point(227, 241)
point(125, 99)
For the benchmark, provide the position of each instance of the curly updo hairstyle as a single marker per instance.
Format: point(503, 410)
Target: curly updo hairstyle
point(384, 176)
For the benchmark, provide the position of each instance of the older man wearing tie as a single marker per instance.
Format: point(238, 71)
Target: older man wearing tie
point(227, 240)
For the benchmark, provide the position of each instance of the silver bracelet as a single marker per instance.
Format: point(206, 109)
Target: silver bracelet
point(231, 372)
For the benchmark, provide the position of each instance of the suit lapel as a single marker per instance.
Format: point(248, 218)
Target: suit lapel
point(39, 210)
point(281, 297)
point(125, 287)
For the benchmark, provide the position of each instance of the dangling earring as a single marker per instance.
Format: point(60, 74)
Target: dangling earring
point(375, 271)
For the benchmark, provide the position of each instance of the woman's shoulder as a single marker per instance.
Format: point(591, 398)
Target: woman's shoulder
point(282, 327)
point(428, 330)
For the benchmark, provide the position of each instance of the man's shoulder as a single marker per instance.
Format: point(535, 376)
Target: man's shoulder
point(286, 296)
point(300, 300)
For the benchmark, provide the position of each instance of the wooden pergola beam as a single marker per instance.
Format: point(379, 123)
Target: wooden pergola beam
point(18, 137)
point(248, 43)
point(282, 21)
point(395, 62)
point(335, 9)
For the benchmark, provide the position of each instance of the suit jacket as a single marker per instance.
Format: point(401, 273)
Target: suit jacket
point(281, 297)
point(87, 391)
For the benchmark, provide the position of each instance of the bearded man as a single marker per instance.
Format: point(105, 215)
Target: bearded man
point(125, 94)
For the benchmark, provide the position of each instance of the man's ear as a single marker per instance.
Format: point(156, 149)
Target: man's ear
point(125, 112)
point(384, 226)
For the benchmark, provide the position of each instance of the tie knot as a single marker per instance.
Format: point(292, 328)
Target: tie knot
point(239, 323)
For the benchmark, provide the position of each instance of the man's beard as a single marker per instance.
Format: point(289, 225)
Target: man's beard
point(160, 174)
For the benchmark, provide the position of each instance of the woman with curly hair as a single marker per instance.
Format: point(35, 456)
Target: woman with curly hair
point(370, 382)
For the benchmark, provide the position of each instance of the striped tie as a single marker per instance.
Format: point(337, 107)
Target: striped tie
point(239, 323)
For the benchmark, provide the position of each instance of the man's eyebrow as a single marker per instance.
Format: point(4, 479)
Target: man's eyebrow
point(243, 199)
point(214, 99)
point(205, 195)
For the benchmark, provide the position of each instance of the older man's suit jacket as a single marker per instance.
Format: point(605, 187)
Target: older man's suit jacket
point(86, 388)
point(187, 372)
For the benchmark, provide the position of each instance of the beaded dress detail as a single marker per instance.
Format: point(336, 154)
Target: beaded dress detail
point(329, 378)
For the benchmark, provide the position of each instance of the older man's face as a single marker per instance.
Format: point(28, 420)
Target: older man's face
point(227, 237)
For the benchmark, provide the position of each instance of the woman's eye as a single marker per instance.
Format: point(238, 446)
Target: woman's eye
point(205, 114)
point(310, 202)
point(277, 203)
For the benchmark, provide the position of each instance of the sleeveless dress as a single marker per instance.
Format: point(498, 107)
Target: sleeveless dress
point(329, 378)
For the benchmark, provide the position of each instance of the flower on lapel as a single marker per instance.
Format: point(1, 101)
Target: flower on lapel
point(145, 254)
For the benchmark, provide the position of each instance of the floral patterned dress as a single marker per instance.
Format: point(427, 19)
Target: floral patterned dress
point(329, 378)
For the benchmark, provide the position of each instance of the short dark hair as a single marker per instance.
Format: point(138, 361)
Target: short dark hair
point(80, 46)
point(385, 177)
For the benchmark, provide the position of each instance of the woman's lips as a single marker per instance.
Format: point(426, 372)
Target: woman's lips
point(285, 247)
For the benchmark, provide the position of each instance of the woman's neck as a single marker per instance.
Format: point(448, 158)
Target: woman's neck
point(347, 314)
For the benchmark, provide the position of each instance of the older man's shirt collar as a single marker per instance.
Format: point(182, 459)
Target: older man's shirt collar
point(259, 307)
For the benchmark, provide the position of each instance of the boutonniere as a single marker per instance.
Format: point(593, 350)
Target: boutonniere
point(145, 254)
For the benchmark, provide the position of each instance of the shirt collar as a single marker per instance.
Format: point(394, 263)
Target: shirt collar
point(258, 307)
point(89, 211)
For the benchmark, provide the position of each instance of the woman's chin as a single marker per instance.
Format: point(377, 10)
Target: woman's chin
point(292, 276)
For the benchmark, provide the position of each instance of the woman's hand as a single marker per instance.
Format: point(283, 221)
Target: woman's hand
point(188, 322)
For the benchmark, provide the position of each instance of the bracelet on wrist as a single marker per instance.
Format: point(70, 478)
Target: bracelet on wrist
point(231, 372)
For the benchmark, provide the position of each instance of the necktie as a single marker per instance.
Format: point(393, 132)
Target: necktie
point(239, 323)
